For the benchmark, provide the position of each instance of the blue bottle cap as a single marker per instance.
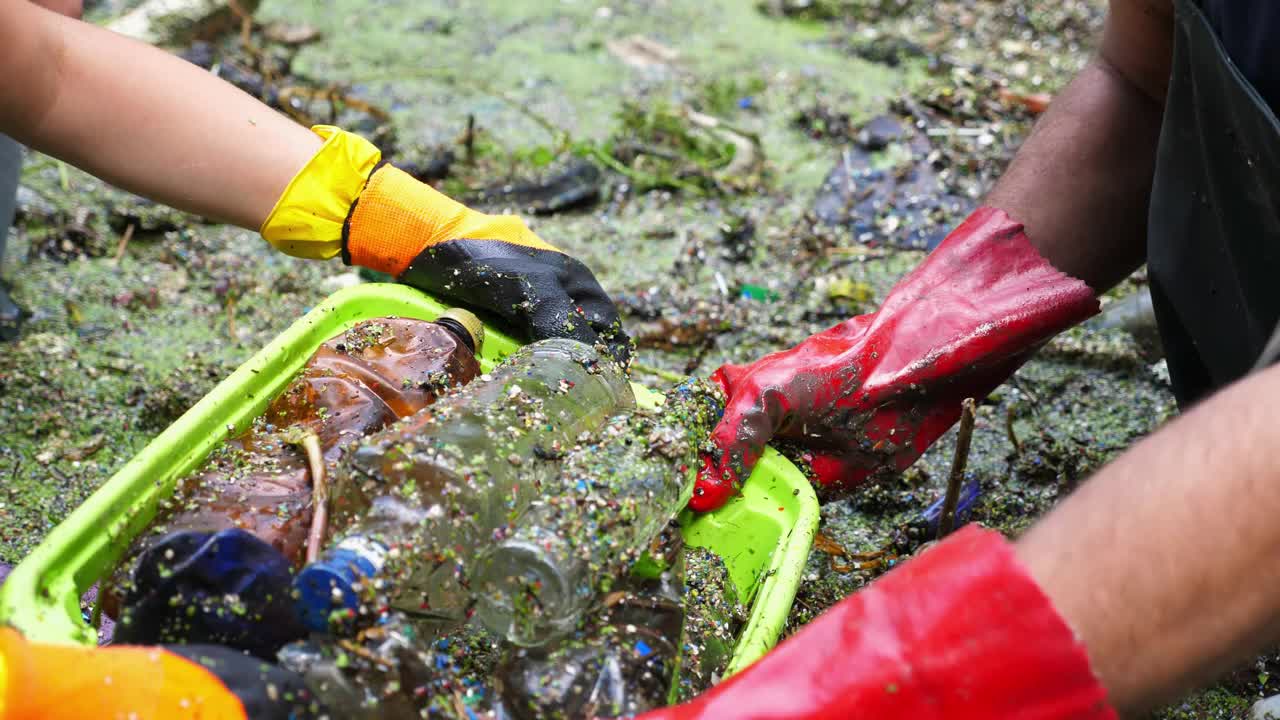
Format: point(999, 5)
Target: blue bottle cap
point(328, 584)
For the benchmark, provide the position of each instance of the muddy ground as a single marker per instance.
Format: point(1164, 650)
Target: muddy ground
point(720, 245)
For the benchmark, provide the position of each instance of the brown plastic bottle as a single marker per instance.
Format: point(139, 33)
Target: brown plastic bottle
point(355, 384)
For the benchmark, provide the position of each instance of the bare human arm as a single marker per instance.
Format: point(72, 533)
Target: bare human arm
point(70, 8)
point(1165, 561)
point(143, 119)
point(1082, 180)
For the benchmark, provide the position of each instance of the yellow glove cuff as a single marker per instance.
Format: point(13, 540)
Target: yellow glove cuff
point(307, 219)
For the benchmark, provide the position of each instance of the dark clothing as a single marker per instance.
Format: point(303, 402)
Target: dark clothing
point(1249, 30)
point(1213, 246)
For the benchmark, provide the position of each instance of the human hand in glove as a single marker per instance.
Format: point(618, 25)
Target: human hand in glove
point(961, 632)
point(62, 682)
point(872, 393)
point(346, 200)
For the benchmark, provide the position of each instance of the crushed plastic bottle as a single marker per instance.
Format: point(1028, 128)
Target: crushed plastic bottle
point(621, 661)
point(356, 383)
point(383, 675)
point(606, 501)
point(420, 500)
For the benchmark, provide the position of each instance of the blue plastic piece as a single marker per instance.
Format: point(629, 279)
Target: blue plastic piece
point(328, 584)
point(969, 495)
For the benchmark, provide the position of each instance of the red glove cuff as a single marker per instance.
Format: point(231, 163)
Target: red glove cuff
point(961, 632)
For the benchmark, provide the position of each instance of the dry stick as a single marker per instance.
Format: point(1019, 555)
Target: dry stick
point(459, 706)
point(124, 243)
point(363, 652)
point(319, 496)
point(469, 140)
point(104, 587)
point(948, 519)
point(246, 22)
point(1009, 430)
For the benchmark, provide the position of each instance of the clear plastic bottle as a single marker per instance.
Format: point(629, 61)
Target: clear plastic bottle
point(378, 677)
point(422, 499)
point(608, 499)
point(620, 661)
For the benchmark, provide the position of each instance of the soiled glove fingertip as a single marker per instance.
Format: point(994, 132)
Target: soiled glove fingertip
point(714, 486)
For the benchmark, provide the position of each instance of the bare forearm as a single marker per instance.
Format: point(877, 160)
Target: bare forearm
point(143, 119)
point(1082, 181)
point(1165, 561)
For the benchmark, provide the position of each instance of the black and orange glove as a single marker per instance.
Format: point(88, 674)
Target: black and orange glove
point(62, 682)
point(347, 200)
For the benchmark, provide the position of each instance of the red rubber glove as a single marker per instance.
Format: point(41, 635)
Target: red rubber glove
point(872, 393)
point(961, 632)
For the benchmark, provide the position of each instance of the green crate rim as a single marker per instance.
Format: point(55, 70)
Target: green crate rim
point(41, 596)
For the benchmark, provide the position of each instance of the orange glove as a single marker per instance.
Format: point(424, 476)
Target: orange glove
point(64, 682)
point(347, 200)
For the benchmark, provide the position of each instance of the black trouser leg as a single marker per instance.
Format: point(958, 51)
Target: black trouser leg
point(10, 168)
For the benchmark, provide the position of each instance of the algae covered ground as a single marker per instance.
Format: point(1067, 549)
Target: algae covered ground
point(691, 153)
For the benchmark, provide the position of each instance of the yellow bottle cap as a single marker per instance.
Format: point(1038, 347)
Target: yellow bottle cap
point(470, 323)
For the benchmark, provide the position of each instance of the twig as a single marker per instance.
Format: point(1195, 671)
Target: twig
point(333, 104)
point(95, 618)
point(704, 349)
point(246, 22)
point(859, 561)
point(365, 653)
point(469, 140)
point(1013, 435)
point(319, 497)
point(946, 522)
point(1035, 399)
point(658, 372)
point(231, 317)
point(332, 95)
point(124, 243)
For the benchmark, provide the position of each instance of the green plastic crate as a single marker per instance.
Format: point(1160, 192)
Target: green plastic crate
point(764, 535)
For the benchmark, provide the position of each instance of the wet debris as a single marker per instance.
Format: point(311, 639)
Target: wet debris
point(1135, 314)
point(874, 560)
point(577, 183)
point(897, 198)
point(261, 64)
point(714, 615)
point(867, 10)
point(666, 147)
point(163, 402)
point(177, 22)
point(891, 50)
point(431, 168)
point(67, 236)
point(737, 238)
point(293, 35)
point(823, 122)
